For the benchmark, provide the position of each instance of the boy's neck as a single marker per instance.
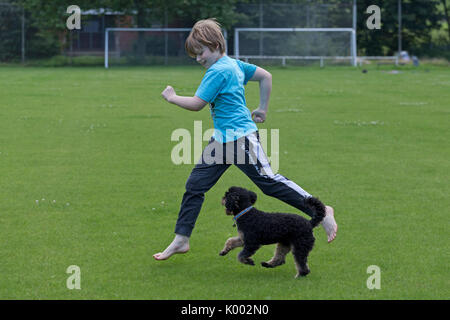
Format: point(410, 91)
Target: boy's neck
point(221, 55)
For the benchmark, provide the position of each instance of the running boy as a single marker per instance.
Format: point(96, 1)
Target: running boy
point(223, 88)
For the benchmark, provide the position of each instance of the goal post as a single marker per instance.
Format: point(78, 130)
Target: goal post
point(160, 42)
point(296, 43)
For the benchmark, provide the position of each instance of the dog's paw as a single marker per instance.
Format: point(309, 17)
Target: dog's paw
point(302, 274)
point(266, 265)
point(250, 262)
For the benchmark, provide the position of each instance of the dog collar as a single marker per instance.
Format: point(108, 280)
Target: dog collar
point(240, 214)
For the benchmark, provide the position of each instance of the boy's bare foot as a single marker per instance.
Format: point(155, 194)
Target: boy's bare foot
point(179, 245)
point(329, 224)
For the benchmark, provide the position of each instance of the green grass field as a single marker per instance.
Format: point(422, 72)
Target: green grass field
point(86, 179)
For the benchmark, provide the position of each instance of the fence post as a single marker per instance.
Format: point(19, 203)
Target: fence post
point(106, 47)
point(236, 44)
point(166, 38)
point(23, 35)
point(354, 50)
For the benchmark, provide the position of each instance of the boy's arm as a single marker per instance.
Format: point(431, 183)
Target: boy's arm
point(265, 87)
point(190, 103)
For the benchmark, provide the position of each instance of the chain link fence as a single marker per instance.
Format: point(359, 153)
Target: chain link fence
point(22, 40)
point(19, 39)
point(12, 32)
point(145, 47)
point(335, 14)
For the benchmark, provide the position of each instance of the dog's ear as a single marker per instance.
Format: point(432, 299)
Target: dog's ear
point(232, 202)
point(253, 197)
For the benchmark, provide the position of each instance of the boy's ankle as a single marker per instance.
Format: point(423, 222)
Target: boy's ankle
point(181, 238)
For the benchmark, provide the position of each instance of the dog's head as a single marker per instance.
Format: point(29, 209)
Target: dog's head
point(237, 199)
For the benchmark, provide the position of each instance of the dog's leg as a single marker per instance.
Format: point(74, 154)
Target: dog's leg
point(279, 257)
point(246, 253)
point(230, 244)
point(302, 267)
point(300, 253)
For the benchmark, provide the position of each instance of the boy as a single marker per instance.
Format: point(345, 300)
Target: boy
point(234, 130)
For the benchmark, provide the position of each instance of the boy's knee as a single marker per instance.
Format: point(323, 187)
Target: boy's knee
point(191, 187)
point(195, 186)
point(267, 190)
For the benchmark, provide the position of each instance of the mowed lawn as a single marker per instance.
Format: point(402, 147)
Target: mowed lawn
point(87, 179)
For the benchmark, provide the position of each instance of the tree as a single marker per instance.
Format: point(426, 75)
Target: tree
point(446, 15)
point(419, 17)
point(176, 13)
point(46, 24)
point(46, 20)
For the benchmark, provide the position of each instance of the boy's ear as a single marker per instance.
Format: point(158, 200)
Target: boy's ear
point(253, 197)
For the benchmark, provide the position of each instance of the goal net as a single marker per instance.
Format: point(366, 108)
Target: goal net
point(146, 46)
point(296, 45)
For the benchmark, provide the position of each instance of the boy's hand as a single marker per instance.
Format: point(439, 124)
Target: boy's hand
point(168, 93)
point(259, 116)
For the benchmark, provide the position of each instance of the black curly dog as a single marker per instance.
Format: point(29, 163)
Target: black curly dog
point(257, 228)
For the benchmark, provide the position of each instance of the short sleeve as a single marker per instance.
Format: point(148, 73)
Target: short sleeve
point(248, 69)
point(210, 87)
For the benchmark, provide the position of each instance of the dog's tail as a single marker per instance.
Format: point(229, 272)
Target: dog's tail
point(318, 209)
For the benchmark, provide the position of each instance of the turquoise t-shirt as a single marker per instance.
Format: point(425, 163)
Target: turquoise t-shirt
point(223, 87)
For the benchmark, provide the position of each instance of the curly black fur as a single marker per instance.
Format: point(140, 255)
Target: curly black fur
point(256, 228)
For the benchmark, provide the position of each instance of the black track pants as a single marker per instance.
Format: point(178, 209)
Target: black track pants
point(247, 154)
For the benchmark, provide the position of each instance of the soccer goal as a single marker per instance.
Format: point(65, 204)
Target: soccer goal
point(147, 46)
point(308, 44)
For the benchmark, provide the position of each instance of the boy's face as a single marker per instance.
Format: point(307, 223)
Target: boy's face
point(207, 58)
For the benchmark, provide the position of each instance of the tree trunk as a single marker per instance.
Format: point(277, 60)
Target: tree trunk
point(444, 2)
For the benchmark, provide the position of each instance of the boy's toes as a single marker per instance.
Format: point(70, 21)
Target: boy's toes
point(329, 224)
point(333, 234)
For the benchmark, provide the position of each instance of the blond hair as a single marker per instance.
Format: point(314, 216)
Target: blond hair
point(207, 33)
